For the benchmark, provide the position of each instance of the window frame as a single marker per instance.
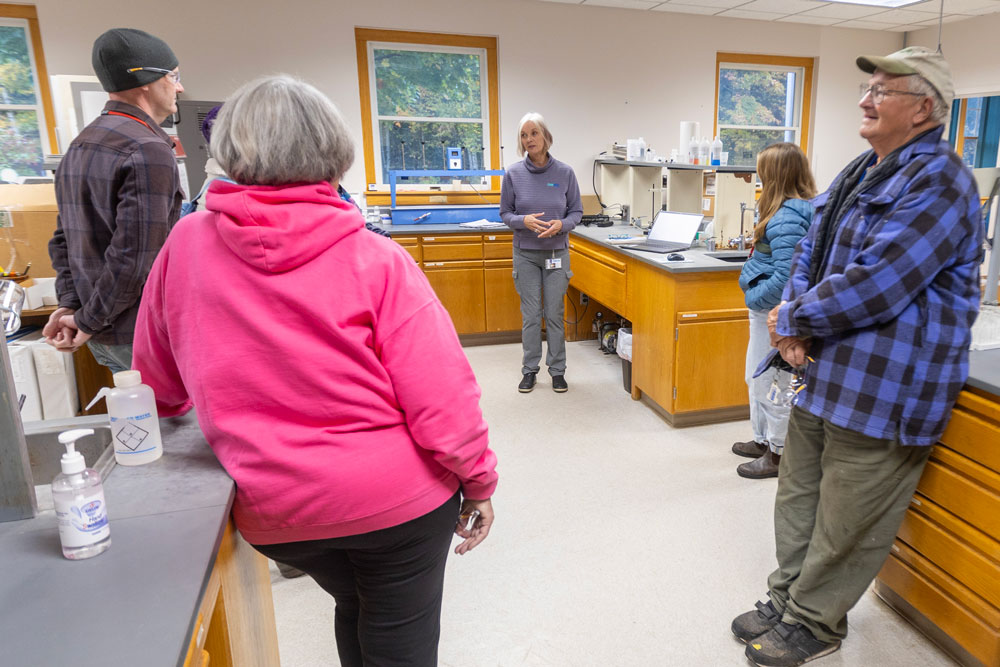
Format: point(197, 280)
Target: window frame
point(46, 112)
point(364, 39)
point(988, 137)
point(766, 62)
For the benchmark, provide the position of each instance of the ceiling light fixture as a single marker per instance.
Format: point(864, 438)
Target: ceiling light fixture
point(888, 4)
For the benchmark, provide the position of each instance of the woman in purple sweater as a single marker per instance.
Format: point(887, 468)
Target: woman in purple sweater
point(540, 201)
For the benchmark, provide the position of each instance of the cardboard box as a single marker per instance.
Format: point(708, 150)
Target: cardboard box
point(56, 378)
point(22, 364)
point(29, 211)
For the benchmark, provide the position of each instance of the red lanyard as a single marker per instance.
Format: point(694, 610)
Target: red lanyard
point(125, 115)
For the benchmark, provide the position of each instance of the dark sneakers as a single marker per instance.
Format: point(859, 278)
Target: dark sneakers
point(787, 645)
point(760, 468)
point(559, 384)
point(754, 623)
point(527, 383)
point(750, 449)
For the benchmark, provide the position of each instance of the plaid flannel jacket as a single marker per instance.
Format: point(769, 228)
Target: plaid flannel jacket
point(890, 315)
point(118, 192)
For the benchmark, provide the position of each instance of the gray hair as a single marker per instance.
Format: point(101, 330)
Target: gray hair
point(536, 118)
point(921, 86)
point(278, 130)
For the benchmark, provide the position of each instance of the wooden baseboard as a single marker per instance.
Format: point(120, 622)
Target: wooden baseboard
point(495, 338)
point(698, 417)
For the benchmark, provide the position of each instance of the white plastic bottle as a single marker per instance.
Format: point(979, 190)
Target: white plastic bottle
point(704, 148)
point(692, 151)
point(717, 151)
point(135, 426)
point(78, 496)
point(642, 148)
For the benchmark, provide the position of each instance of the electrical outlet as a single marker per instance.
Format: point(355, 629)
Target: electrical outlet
point(584, 299)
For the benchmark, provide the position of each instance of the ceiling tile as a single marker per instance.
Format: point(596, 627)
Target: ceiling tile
point(903, 28)
point(628, 4)
point(863, 25)
point(953, 18)
point(779, 6)
point(728, 4)
point(759, 16)
point(966, 7)
point(900, 16)
point(813, 20)
point(687, 9)
point(845, 12)
point(568, 2)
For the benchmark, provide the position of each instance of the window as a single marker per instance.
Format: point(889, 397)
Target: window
point(761, 100)
point(424, 97)
point(26, 129)
point(975, 130)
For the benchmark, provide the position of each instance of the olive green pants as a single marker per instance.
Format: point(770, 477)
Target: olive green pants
point(841, 498)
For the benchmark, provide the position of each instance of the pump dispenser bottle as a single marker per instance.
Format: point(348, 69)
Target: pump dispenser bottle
point(78, 496)
point(135, 426)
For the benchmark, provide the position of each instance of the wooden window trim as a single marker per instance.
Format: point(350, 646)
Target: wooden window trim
point(29, 13)
point(378, 198)
point(960, 130)
point(806, 64)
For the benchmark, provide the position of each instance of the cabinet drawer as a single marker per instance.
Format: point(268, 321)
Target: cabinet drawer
point(411, 244)
point(498, 246)
point(960, 550)
point(433, 252)
point(598, 274)
point(967, 629)
point(438, 266)
point(973, 430)
point(406, 240)
point(964, 488)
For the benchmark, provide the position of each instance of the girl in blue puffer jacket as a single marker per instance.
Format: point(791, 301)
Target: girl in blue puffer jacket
point(784, 219)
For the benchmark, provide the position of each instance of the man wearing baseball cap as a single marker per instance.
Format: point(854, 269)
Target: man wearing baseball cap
point(877, 312)
point(118, 192)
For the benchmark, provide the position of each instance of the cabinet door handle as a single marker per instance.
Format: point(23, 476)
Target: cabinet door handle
point(687, 315)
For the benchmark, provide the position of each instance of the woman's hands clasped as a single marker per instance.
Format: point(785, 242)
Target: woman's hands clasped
point(544, 228)
point(480, 526)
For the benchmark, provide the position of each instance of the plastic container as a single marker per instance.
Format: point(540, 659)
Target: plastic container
point(135, 426)
point(704, 150)
point(717, 151)
point(78, 496)
point(623, 347)
point(692, 151)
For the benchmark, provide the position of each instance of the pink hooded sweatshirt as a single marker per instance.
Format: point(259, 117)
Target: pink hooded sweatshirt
point(327, 377)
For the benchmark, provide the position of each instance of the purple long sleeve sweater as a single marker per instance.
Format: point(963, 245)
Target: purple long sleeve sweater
point(551, 190)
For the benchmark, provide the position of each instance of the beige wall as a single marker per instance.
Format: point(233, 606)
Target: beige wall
point(597, 74)
point(972, 51)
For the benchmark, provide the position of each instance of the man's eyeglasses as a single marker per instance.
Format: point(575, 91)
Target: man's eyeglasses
point(879, 92)
point(174, 76)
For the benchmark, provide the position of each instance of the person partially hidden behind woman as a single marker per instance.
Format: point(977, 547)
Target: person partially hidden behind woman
point(785, 217)
point(327, 377)
point(540, 201)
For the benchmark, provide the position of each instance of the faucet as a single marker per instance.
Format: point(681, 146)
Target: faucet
point(743, 239)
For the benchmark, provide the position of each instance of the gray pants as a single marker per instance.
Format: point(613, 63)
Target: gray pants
point(115, 357)
point(841, 498)
point(537, 286)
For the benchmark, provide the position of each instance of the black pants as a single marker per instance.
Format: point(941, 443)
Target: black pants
point(387, 584)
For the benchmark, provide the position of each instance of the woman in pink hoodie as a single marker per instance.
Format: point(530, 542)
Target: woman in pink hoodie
point(327, 377)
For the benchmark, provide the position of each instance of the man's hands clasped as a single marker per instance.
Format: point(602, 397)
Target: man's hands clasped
point(62, 332)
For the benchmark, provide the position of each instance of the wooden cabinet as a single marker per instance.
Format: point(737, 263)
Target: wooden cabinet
point(235, 621)
point(944, 569)
point(461, 287)
point(411, 244)
point(503, 304)
point(599, 273)
point(709, 344)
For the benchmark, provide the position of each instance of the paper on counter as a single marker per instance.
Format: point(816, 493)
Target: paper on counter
point(482, 224)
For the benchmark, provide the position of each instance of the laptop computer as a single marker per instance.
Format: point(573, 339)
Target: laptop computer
point(671, 232)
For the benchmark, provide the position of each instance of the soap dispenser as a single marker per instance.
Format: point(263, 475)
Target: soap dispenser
point(135, 426)
point(78, 496)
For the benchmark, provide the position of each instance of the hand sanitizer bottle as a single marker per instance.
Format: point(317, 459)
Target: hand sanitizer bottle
point(79, 499)
point(135, 426)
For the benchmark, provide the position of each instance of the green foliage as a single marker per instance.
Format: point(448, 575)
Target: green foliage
point(427, 83)
point(753, 97)
point(404, 138)
point(17, 85)
point(20, 142)
point(743, 145)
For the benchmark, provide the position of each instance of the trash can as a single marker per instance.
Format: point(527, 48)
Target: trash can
point(624, 349)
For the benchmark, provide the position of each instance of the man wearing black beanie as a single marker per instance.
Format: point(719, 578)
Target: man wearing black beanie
point(118, 192)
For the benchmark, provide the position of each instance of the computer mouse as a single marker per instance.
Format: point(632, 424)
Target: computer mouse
point(675, 257)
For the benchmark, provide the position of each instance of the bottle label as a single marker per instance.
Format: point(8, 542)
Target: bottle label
point(132, 435)
point(83, 520)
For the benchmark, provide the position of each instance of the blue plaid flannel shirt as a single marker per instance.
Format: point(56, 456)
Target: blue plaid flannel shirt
point(890, 315)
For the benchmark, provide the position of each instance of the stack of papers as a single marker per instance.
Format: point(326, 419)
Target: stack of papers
point(482, 224)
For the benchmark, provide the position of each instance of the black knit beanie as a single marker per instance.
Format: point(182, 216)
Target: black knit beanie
point(120, 49)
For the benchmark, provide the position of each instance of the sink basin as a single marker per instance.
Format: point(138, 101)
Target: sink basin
point(45, 450)
point(731, 256)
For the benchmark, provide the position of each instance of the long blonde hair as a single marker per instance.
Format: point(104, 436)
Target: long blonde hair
point(784, 172)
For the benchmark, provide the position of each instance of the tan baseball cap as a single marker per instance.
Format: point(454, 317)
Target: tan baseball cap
point(915, 60)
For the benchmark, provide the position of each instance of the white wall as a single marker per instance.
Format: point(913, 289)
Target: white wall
point(597, 74)
point(970, 47)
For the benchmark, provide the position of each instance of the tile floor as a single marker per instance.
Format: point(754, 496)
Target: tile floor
point(619, 541)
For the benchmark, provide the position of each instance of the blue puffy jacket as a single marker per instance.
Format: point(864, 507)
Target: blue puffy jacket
point(764, 275)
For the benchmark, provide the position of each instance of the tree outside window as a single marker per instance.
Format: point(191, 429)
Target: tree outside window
point(21, 143)
point(761, 100)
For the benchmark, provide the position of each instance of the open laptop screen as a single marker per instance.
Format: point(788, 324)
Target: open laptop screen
point(675, 227)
